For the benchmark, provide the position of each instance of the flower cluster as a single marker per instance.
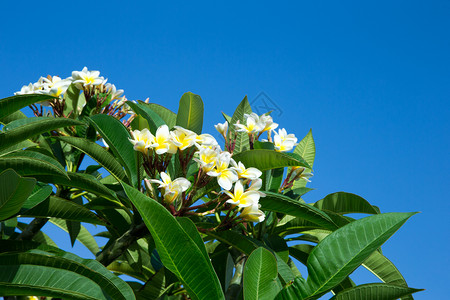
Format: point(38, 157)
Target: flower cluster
point(108, 98)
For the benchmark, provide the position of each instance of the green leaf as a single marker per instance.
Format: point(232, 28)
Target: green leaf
point(84, 182)
point(14, 190)
point(27, 166)
point(178, 251)
point(240, 242)
point(12, 104)
point(260, 276)
point(71, 98)
point(242, 142)
point(375, 291)
point(39, 237)
point(98, 153)
point(66, 275)
point(264, 159)
point(282, 204)
point(169, 117)
point(35, 154)
point(341, 252)
point(192, 231)
point(64, 209)
point(153, 119)
point(294, 291)
point(34, 128)
point(307, 148)
point(152, 289)
point(227, 118)
point(83, 236)
point(12, 117)
point(40, 193)
point(385, 270)
point(190, 112)
point(345, 203)
point(116, 136)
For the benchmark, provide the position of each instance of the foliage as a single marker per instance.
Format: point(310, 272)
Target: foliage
point(181, 217)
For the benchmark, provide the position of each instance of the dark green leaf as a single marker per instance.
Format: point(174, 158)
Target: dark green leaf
point(242, 142)
point(153, 119)
point(375, 291)
point(12, 104)
point(345, 203)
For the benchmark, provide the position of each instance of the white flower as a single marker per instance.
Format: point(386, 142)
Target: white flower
point(56, 86)
point(27, 89)
point(266, 123)
point(183, 138)
point(249, 173)
point(172, 189)
point(252, 126)
point(284, 142)
point(241, 198)
point(143, 140)
point(207, 158)
point(256, 186)
point(252, 213)
point(85, 78)
point(163, 141)
point(225, 176)
point(206, 140)
point(222, 128)
point(115, 94)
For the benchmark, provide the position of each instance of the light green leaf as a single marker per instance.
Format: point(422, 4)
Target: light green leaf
point(375, 291)
point(178, 251)
point(341, 252)
point(190, 112)
point(98, 153)
point(265, 159)
point(71, 98)
point(116, 136)
point(169, 117)
point(345, 203)
point(14, 190)
point(260, 276)
point(282, 204)
point(12, 104)
point(242, 142)
point(34, 128)
point(307, 148)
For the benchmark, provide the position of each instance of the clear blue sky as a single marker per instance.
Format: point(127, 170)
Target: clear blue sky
point(372, 79)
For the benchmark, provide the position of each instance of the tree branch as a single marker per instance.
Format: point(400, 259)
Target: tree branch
point(118, 247)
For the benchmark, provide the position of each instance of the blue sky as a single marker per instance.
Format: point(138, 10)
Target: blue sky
point(371, 79)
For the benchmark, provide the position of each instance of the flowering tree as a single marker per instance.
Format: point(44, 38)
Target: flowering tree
point(184, 215)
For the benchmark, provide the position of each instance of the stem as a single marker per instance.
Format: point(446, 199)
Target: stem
point(32, 229)
point(235, 284)
point(118, 247)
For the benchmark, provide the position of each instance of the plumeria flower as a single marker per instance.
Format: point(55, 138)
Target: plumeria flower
point(298, 173)
point(256, 185)
point(172, 189)
point(207, 158)
point(222, 128)
point(266, 123)
point(183, 138)
point(163, 141)
point(143, 140)
point(85, 78)
point(241, 198)
point(225, 176)
point(115, 93)
point(249, 173)
point(252, 124)
point(27, 89)
point(206, 140)
point(284, 142)
point(252, 213)
point(56, 86)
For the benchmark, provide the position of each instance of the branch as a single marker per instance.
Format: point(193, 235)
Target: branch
point(118, 247)
point(30, 231)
